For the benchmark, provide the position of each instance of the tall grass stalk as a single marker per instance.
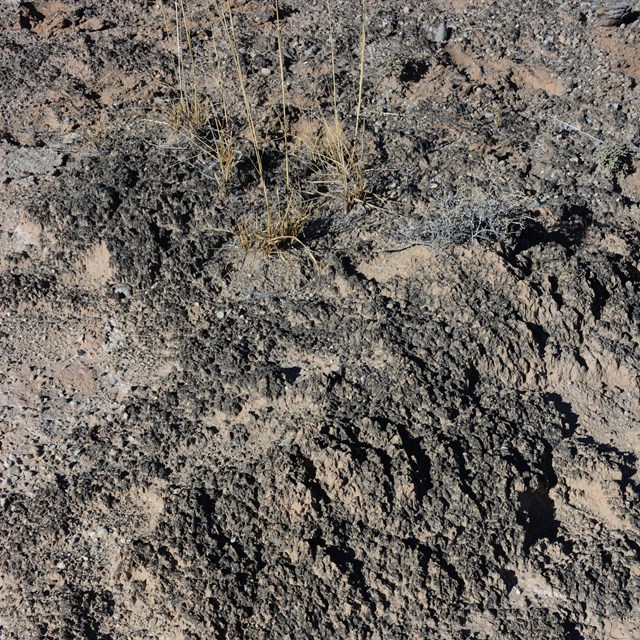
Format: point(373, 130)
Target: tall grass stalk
point(229, 29)
point(343, 153)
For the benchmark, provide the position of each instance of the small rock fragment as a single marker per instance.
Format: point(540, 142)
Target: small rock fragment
point(122, 290)
point(442, 32)
point(30, 161)
point(613, 15)
point(94, 24)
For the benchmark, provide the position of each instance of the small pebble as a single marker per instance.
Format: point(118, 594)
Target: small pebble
point(442, 33)
point(613, 15)
point(122, 290)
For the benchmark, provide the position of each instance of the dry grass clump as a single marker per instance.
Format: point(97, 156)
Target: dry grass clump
point(341, 165)
point(277, 234)
point(282, 223)
point(341, 157)
point(190, 113)
point(203, 118)
point(191, 110)
point(223, 148)
point(337, 167)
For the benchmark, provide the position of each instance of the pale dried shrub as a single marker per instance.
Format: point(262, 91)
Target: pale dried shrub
point(614, 157)
point(470, 216)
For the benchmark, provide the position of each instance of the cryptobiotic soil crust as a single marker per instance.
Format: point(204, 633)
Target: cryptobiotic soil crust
point(372, 436)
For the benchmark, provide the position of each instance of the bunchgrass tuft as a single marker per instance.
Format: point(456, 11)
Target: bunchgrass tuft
point(336, 154)
point(278, 234)
point(341, 155)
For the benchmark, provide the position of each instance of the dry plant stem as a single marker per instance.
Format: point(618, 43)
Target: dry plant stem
point(343, 153)
point(354, 160)
point(573, 127)
point(363, 44)
point(186, 28)
point(338, 126)
point(223, 148)
point(228, 25)
point(191, 110)
point(179, 50)
point(187, 111)
point(333, 65)
point(284, 101)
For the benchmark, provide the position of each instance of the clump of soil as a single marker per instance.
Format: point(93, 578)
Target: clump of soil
point(368, 433)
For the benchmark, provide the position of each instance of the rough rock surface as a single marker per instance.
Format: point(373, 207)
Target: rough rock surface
point(385, 441)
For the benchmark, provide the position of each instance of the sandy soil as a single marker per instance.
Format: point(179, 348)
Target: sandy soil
point(373, 434)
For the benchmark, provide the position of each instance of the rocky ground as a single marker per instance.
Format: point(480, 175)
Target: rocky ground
point(374, 433)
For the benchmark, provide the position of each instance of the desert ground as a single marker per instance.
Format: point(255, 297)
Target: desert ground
point(319, 319)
